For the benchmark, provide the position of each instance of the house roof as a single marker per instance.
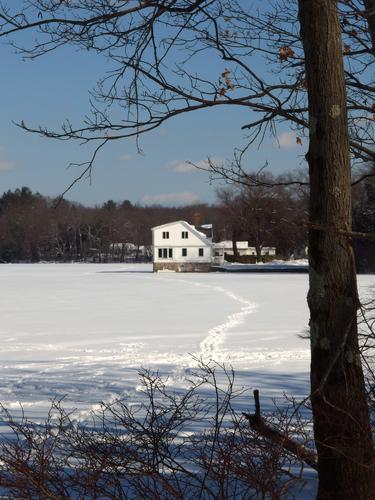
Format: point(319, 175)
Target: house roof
point(240, 244)
point(188, 226)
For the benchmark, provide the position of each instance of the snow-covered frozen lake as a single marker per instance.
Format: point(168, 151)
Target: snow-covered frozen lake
point(83, 331)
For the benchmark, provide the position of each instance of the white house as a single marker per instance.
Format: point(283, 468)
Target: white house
point(179, 246)
point(244, 249)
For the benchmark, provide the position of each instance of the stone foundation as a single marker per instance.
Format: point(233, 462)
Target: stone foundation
point(183, 267)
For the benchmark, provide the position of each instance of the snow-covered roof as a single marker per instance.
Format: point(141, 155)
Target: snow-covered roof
point(188, 226)
point(240, 244)
point(127, 245)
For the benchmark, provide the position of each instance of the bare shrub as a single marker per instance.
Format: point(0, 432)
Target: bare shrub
point(367, 344)
point(183, 444)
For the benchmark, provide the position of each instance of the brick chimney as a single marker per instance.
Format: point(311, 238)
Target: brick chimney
point(197, 219)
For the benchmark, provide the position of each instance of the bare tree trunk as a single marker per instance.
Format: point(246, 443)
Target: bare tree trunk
point(341, 419)
point(234, 245)
point(370, 16)
point(122, 256)
point(258, 250)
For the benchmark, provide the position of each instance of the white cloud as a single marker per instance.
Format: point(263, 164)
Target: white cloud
point(184, 198)
point(125, 157)
point(287, 140)
point(6, 165)
point(183, 167)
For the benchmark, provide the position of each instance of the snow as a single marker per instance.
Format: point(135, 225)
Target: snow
point(82, 331)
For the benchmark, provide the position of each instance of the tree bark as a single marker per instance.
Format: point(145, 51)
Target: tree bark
point(339, 403)
point(258, 250)
point(370, 16)
point(234, 244)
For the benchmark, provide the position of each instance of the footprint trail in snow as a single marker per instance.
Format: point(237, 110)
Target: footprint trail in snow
point(210, 347)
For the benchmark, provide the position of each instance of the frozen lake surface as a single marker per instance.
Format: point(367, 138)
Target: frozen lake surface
point(83, 331)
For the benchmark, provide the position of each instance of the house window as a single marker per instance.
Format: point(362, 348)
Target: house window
point(185, 235)
point(165, 235)
point(184, 252)
point(165, 253)
point(201, 252)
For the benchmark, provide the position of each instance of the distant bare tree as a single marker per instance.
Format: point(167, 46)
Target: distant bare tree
point(268, 214)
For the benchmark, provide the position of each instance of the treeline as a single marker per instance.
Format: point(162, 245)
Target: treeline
point(35, 228)
point(364, 221)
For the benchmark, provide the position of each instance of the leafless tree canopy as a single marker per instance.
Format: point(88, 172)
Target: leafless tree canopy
point(156, 53)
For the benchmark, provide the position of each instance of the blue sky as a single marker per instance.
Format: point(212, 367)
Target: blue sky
point(55, 87)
